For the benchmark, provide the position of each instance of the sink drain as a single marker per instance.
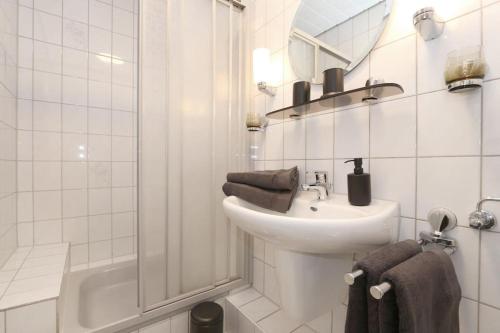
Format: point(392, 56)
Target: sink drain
point(314, 209)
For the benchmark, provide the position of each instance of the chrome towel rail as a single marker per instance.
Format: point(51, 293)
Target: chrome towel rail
point(442, 220)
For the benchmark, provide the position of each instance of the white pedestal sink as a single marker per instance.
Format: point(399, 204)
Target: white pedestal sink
point(315, 246)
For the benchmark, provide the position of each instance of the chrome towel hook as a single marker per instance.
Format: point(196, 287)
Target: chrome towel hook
point(483, 219)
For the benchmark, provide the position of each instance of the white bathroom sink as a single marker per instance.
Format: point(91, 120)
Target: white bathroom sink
point(315, 244)
point(331, 226)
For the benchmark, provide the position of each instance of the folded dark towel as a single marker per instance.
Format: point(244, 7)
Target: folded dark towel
point(425, 296)
point(270, 179)
point(362, 309)
point(279, 201)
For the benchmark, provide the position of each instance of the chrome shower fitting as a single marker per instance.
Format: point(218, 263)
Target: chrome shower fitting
point(483, 219)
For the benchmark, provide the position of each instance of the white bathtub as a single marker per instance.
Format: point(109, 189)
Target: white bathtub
point(100, 297)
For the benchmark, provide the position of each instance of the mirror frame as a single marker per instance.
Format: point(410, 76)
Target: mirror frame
point(317, 79)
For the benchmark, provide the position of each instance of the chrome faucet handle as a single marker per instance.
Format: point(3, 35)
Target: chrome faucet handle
point(483, 219)
point(318, 178)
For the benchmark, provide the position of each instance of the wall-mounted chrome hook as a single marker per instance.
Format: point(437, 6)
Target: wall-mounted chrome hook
point(483, 219)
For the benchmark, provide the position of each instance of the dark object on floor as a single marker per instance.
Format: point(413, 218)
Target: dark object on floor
point(207, 317)
point(425, 296)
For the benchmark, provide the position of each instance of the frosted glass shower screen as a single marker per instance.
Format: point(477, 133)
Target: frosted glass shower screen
point(188, 246)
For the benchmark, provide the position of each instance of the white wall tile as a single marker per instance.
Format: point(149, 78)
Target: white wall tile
point(274, 142)
point(258, 309)
point(76, 10)
point(294, 139)
point(400, 69)
point(491, 118)
point(488, 319)
point(47, 27)
point(490, 268)
point(393, 128)
point(25, 22)
point(449, 124)
point(468, 316)
point(352, 133)
point(491, 185)
point(75, 230)
point(320, 136)
point(42, 318)
point(438, 178)
point(46, 146)
point(123, 22)
point(394, 179)
point(180, 323)
point(46, 116)
point(465, 260)
point(491, 30)
point(75, 62)
point(100, 15)
point(160, 327)
point(100, 227)
point(279, 322)
point(75, 34)
point(47, 205)
point(46, 176)
point(74, 90)
point(49, 6)
point(47, 57)
point(25, 53)
point(258, 275)
point(46, 87)
point(47, 232)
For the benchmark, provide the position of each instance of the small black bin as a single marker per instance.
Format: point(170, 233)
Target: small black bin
point(207, 317)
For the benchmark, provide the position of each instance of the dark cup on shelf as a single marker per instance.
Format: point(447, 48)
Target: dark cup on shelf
point(301, 92)
point(333, 81)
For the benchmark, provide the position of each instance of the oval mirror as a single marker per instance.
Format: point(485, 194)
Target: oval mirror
point(334, 33)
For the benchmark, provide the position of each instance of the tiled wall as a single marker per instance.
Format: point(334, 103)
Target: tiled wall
point(8, 121)
point(77, 126)
point(425, 148)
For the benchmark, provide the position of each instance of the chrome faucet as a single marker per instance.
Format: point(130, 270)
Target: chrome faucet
point(320, 185)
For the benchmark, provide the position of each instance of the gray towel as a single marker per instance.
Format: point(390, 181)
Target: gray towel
point(279, 201)
point(362, 310)
point(270, 179)
point(425, 296)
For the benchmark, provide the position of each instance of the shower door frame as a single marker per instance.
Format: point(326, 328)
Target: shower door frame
point(217, 288)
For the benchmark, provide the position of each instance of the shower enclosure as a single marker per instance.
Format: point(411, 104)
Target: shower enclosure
point(191, 134)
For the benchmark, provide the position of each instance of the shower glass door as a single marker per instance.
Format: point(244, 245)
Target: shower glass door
point(191, 124)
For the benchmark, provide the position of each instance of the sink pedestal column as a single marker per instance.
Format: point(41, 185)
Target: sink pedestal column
point(311, 284)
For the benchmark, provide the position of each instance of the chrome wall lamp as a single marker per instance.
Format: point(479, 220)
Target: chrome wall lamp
point(262, 71)
point(428, 23)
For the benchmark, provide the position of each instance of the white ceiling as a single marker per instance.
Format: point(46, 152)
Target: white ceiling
point(316, 16)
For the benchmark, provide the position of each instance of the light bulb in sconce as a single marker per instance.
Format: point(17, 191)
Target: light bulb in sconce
point(262, 70)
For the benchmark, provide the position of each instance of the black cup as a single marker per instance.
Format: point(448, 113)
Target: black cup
point(333, 81)
point(301, 92)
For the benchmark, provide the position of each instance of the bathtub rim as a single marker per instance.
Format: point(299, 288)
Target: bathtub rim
point(70, 303)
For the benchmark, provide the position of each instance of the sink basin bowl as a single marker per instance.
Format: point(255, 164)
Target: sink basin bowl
point(315, 244)
point(331, 226)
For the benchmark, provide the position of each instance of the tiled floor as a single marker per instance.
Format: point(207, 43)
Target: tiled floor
point(32, 274)
point(250, 312)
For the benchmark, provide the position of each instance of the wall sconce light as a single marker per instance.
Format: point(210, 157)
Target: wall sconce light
point(262, 70)
point(427, 23)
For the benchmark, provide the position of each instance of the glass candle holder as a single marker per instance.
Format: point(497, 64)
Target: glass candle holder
point(465, 64)
point(253, 120)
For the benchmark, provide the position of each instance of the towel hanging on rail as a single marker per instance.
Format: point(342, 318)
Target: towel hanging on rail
point(362, 310)
point(424, 296)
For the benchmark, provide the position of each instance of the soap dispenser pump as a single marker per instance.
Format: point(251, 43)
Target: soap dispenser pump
point(359, 184)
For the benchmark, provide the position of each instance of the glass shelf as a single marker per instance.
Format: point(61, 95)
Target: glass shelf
point(368, 94)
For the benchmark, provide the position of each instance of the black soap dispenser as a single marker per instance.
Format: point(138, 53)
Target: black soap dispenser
point(358, 184)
